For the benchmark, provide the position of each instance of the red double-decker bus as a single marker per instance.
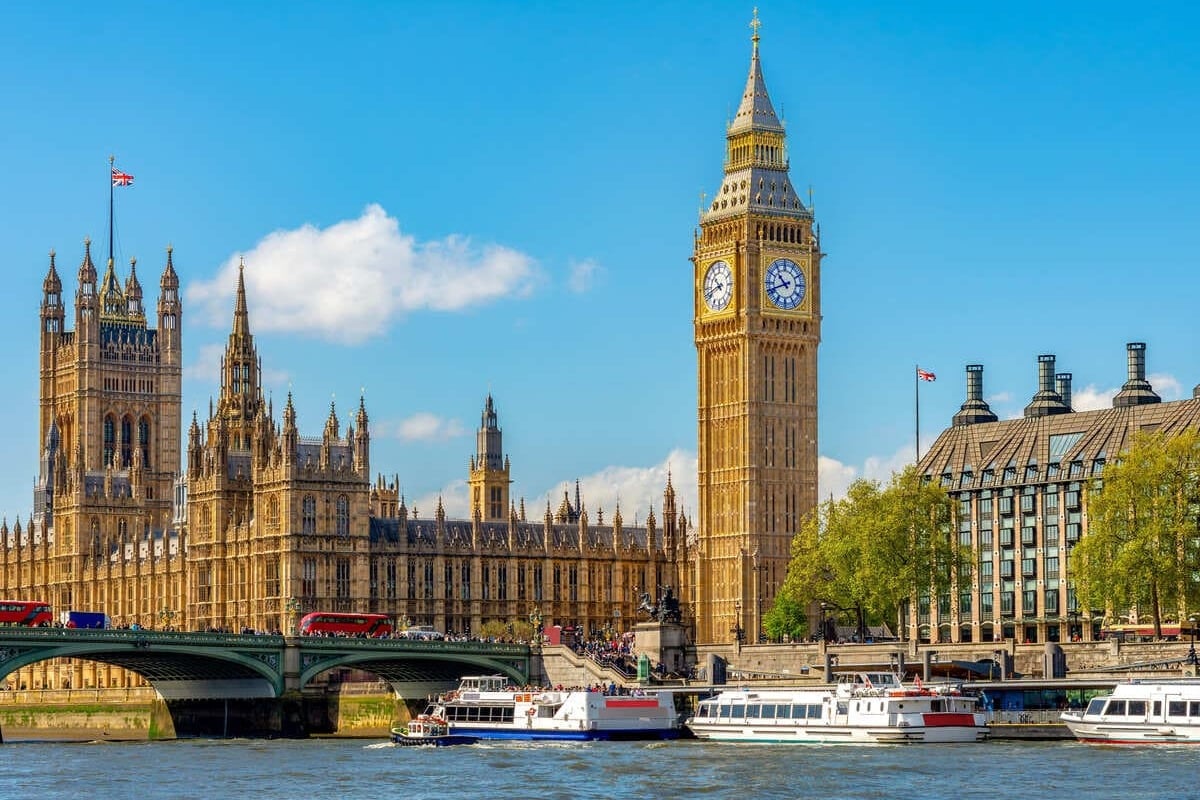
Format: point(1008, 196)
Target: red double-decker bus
point(26, 613)
point(326, 623)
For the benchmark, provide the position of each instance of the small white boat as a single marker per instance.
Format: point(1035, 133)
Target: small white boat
point(428, 731)
point(487, 707)
point(1141, 712)
point(864, 708)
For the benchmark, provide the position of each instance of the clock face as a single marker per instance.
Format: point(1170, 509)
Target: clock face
point(784, 282)
point(718, 285)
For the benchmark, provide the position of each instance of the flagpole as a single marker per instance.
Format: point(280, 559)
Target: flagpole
point(111, 161)
point(917, 395)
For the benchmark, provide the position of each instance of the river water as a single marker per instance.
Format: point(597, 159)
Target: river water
point(341, 768)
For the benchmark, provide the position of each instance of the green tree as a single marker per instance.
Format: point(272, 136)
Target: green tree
point(871, 552)
point(1143, 523)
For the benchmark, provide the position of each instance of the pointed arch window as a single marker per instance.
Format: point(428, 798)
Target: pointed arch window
point(273, 514)
point(97, 549)
point(144, 441)
point(110, 439)
point(343, 516)
point(308, 515)
point(126, 441)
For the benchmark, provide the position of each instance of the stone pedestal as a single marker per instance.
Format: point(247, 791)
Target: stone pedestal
point(662, 642)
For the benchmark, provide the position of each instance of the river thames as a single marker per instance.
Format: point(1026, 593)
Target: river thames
point(340, 768)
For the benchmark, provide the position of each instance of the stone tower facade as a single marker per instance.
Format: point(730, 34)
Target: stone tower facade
point(488, 479)
point(757, 269)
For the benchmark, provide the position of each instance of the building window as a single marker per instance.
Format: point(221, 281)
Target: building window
point(466, 579)
point(1029, 567)
point(1029, 602)
point(1007, 602)
point(537, 583)
point(144, 441)
point(448, 579)
point(964, 603)
point(502, 582)
point(308, 515)
point(428, 578)
point(521, 590)
point(110, 440)
point(273, 514)
point(986, 606)
point(1052, 601)
point(126, 441)
point(308, 578)
point(573, 582)
point(1050, 532)
point(204, 585)
point(1027, 503)
point(391, 579)
point(272, 575)
point(985, 572)
point(486, 588)
point(343, 516)
point(343, 578)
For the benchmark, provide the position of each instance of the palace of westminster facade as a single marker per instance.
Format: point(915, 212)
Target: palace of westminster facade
point(253, 523)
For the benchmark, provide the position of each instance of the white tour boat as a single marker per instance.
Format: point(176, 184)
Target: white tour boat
point(487, 707)
point(1141, 712)
point(865, 708)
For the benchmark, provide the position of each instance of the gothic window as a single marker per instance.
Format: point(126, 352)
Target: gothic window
point(273, 514)
point(391, 579)
point(448, 580)
point(308, 518)
point(97, 550)
point(343, 578)
point(466, 580)
point(429, 579)
point(501, 582)
point(308, 578)
point(126, 441)
point(343, 516)
point(144, 441)
point(122, 529)
point(110, 439)
point(272, 579)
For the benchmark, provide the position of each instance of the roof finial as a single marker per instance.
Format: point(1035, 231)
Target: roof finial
point(755, 24)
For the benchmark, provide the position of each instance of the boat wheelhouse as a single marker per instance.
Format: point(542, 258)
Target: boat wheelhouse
point(863, 708)
point(1141, 712)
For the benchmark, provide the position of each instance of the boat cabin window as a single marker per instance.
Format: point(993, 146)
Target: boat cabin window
point(702, 711)
point(1176, 708)
point(1137, 708)
point(1156, 709)
point(1097, 706)
point(725, 712)
point(1116, 708)
point(753, 711)
point(768, 711)
point(737, 710)
point(814, 712)
point(1194, 709)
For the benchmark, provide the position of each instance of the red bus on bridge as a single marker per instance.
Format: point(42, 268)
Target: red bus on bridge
point(26, 613)
point(331, 623)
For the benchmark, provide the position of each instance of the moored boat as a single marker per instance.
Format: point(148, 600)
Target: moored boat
point(1141, 712)
point(428, 731)
point(864, 708)
point(487, 707)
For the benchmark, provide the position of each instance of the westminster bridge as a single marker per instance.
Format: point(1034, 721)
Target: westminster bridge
point(196, 674)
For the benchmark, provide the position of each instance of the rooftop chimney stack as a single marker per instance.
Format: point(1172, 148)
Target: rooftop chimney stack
point(1137, 390)
point(1047, 401)
point(975, 409)
point(1062, 382)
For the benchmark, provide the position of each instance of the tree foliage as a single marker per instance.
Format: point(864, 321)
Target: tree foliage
point(1141, 547)
point(869, 553)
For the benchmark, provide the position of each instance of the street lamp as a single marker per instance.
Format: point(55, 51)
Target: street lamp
point(535, 622)
point(739, 633)
point(1075, 631)
point(1191, 657)
point(291, 607)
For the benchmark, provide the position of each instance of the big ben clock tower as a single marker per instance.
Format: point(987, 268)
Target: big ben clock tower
point(757, 269)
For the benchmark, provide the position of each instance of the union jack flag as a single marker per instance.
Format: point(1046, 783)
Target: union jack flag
point(121, 178)
point(925, 375)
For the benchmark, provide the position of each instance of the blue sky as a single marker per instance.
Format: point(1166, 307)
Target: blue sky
point(435, 201)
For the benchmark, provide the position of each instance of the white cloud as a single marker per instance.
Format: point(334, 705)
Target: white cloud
point(347, 282)
point(1166, 386)
point(582, 275)
point(834, 477)
point(1091, 399)
point(425, 427)
point(999, 398)
point(454, 502)
point(207, 366)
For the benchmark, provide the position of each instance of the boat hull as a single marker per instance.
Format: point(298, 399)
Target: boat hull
point(1110, 733)
point(403, 739)
point(569, 735)
point(862, 735)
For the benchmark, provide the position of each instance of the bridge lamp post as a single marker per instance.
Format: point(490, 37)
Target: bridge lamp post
point(166, 617)
point(535, 622)
point(292, 608)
